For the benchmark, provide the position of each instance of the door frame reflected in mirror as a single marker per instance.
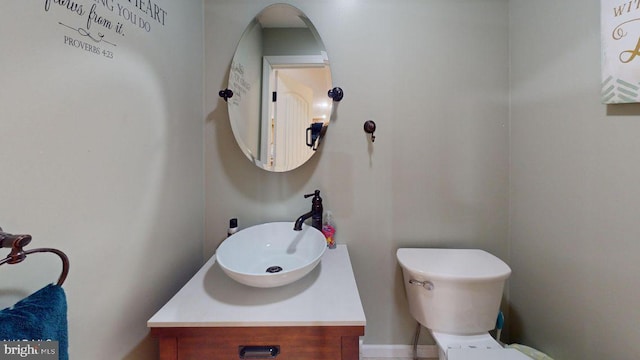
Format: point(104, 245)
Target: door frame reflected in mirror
point(318, 108)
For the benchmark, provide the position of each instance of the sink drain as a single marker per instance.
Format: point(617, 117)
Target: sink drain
point(274, 269)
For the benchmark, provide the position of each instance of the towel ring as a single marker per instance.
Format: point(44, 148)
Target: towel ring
point(17, 255)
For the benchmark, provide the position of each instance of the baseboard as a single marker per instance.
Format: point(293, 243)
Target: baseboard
point(399, 352)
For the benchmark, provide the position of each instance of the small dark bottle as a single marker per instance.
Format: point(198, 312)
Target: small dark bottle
point(233, 227)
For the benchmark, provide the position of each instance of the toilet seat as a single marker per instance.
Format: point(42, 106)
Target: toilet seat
point(474, 347)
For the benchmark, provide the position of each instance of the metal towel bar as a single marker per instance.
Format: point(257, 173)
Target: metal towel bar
point(18, 254)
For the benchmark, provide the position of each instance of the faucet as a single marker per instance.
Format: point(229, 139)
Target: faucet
point(315, 214)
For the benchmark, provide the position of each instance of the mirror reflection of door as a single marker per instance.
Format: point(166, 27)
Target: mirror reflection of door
point(290, 120)
point(300, 84)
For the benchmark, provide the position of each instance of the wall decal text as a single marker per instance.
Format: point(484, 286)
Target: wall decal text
point(98, 24)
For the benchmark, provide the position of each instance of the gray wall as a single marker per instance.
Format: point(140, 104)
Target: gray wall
point(575, 172)
point(574, 191)
point(433, 75)
point(290, 41)
point(102, 158)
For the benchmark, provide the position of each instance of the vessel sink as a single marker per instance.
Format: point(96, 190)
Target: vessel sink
point(271, 254)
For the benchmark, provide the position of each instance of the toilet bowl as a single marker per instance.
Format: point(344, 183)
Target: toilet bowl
point(456, 294)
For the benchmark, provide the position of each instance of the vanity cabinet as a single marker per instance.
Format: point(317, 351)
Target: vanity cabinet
point(319, 317)
point(293, 343)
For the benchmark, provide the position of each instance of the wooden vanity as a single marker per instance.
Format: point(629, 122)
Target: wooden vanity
point(319, 317)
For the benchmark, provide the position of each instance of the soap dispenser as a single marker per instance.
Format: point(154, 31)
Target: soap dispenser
point(329, 230)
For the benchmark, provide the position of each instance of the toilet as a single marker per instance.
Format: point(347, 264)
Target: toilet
point(456, 295)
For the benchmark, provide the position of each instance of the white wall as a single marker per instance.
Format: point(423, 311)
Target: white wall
point(102, 158)
point(433, 76)
point(575, 172)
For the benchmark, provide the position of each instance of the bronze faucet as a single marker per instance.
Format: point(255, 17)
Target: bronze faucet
point(315, 214)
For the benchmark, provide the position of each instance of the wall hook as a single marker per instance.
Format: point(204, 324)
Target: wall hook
point(336, 94)
point(370, 128)
point(225, 94)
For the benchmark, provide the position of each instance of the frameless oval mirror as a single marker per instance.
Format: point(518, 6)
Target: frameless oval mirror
point(280, 78)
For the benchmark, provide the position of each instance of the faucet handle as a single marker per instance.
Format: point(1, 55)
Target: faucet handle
point(315, 193)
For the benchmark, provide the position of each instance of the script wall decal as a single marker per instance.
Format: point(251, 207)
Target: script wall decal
point(96, 26)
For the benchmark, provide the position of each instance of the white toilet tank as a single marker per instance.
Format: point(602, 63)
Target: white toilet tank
point(453, 291)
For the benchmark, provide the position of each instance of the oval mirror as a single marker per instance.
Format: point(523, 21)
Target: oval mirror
point(280, 78)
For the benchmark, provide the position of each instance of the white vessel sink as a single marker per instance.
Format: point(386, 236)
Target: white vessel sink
point(271, 254)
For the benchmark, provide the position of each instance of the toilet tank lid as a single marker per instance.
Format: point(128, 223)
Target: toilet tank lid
point(453, 264)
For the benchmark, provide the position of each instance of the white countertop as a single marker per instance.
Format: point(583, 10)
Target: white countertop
point(327, 296)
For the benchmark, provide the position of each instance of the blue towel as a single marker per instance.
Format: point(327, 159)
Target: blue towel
point(40, 316)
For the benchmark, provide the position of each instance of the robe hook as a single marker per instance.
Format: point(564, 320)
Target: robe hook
point(370, 128)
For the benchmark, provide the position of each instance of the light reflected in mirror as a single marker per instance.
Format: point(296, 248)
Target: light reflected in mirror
point(280, 77)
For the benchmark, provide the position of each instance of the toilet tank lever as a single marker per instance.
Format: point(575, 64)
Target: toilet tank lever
point(425, 284)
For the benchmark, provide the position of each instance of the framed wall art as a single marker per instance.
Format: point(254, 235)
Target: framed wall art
point(620, 29)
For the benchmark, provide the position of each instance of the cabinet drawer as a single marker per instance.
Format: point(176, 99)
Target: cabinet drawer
point(293, 343)
point(291, 347)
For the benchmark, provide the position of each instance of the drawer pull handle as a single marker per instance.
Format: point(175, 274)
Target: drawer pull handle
point(258, 352)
